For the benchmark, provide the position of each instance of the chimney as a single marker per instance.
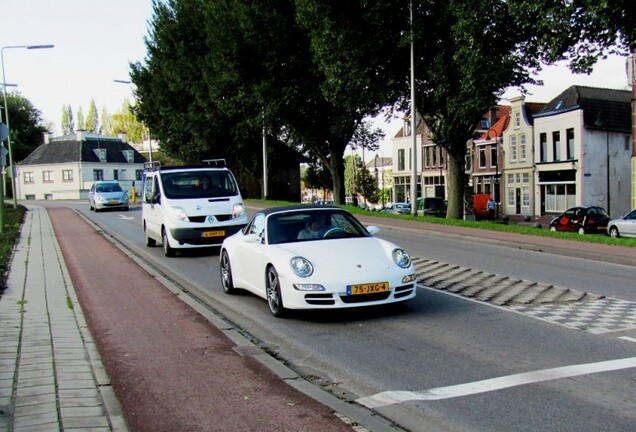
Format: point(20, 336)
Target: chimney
point(122, 136)
point(47, 137)
point(80, 134)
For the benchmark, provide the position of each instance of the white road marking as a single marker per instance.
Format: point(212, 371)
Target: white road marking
point(121, 216)
point(394, 397)
point(627, 338)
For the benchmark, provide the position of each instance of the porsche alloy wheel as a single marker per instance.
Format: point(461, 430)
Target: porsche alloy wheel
point(226, 273)
point(274, 296)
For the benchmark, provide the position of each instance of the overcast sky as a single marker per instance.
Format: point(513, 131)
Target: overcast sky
point(95, 40)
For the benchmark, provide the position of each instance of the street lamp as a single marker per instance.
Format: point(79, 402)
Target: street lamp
point(6, 112)
point(119, 81)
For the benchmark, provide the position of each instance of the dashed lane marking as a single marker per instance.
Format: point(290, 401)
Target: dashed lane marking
point(395, 397)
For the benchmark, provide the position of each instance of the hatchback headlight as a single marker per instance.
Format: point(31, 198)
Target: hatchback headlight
point(401, 258)
point(301, 266)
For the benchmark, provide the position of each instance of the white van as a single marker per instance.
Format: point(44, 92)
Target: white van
point(190, 207)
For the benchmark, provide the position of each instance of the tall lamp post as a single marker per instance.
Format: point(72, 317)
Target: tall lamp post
point(6, 112)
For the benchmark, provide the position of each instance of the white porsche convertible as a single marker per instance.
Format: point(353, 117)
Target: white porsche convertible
point(315, 257)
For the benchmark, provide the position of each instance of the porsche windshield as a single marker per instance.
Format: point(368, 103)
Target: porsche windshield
point(198, 184)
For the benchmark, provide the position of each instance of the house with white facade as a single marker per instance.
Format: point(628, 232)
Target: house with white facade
point(518, 158)
point(65, 168)
point(402, 156)
point(583, 149)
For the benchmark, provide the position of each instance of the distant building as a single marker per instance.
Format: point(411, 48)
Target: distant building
point(583, 150)
point(65, 167)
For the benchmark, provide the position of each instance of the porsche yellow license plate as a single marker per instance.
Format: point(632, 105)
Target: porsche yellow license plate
point(368, 288)
point(217, 233)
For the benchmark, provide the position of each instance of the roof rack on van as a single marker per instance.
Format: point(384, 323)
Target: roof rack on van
point(152, 166)
point(214, 162)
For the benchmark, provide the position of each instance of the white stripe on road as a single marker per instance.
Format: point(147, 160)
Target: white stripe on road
point(394, 397)
point(627, 338)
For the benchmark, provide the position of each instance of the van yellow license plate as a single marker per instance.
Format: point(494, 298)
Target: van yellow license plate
point(367, 288)
point(217, 233)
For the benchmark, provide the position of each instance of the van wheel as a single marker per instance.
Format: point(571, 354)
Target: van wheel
point(167, 250)
point(150, 242)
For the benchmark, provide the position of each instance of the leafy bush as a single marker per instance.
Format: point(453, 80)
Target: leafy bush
point(9, 238)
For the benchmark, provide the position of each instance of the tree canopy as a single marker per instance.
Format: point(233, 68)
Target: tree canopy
point(25, 126)
point(312, 70)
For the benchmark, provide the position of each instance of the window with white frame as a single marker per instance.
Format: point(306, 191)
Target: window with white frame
point(129, 155)
point(525, 196)
point(101, 154)
point(98, 174)
point(29, 177)
point(543, 147)
point(525, 178)
point(569, 136)
point(482, 157)
point(511, 178)
point(556, 146)
point(511, 196)
point(513, 148)
point(401, 160)
point(517, 119)
point(67, 175)
point(493, 155)
point(523, 150)
point(47, 176)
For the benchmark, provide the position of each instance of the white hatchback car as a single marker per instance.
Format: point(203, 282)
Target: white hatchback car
point(107, 194)
point(623, 227)
point(315, 257)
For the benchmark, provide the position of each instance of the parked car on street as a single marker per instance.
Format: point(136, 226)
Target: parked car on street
point(398, 208)
point(581, 219)
point(623, 227)
point(315, 257)
point(431, 206)
point(107, 195)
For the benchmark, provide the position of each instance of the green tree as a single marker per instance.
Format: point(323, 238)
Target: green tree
point(105, 122)
point(92, 118)
point(81, 122)
point(68, 125)
point(25, 123)
point(126, 121)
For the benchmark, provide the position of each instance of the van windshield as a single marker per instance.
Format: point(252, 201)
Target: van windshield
point(198, 184)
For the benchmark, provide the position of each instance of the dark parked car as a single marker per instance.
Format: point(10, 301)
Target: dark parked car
point(581, 219)
point(431, 206)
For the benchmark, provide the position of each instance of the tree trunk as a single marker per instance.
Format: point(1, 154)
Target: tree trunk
point(336, 167)
point(456, 185)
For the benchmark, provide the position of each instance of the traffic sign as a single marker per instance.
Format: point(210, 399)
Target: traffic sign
point(4, 132)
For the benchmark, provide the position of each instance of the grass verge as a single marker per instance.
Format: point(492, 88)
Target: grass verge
point(525, 229)
point(9, 238)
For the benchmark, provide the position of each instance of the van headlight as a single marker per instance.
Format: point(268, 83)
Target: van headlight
point(401, 258)
point(179, 214)
point(237, 211)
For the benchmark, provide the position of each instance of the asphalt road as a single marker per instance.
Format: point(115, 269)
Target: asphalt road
point(445, 362)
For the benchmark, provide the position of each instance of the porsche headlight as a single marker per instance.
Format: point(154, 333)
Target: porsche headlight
point(301, 266)
point(179, 214)
point(401, 258)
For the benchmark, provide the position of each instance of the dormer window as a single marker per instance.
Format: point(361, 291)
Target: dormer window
point(129, 155)
point(101, 154)
point(407, 127)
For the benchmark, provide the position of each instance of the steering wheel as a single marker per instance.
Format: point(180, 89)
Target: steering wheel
point(332, 231)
